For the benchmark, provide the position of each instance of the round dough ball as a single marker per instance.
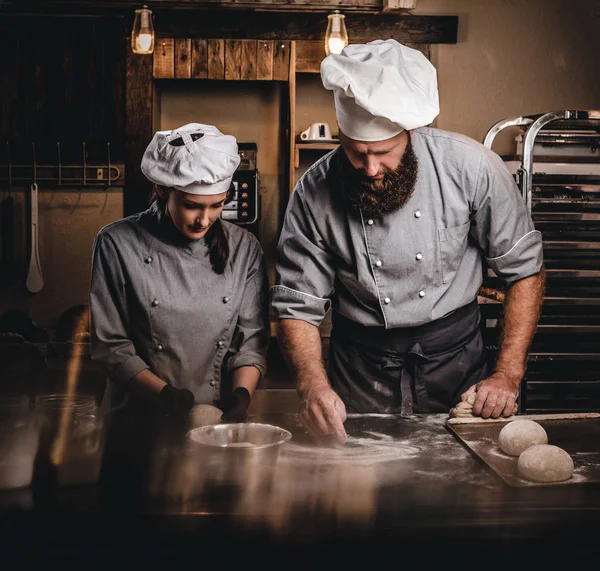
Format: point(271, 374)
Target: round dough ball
point(520, 434)
point(204, 414)
point(545, 463)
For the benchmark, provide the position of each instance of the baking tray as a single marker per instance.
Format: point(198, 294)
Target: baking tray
point(577, 433)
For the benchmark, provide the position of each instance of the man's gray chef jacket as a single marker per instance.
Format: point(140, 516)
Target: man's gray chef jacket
point(156, 303)
point(412, 266)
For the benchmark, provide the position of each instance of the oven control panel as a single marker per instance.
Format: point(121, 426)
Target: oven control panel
point(244, 207)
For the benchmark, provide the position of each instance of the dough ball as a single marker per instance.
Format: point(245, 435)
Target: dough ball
point(520, 434)
point(545, 463)
point(204, 414)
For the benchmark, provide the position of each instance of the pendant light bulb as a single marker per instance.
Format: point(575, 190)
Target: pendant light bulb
point(142, 35)
point(336, 37)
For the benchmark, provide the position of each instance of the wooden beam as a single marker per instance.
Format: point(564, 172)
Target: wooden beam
point(234, 24)
point(223, 21)
point(138, 129)
point(291, 134)
point(104, 6)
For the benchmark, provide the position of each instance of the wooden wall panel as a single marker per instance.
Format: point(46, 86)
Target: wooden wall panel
point(309, 55)
point(199, 59)
point(240, 59)
point(183, 58)
point(62, 81)
point(216, 59)
point(233, 59)
point(248, 62)
point(164, 58)
point(264, 59)
point(281, 61)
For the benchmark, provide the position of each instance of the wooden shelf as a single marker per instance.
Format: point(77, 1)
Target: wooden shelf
point(310, 147)
point(316, 146)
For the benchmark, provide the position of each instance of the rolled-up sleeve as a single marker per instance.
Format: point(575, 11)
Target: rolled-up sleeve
point(111, 345)
point(502, 225)
point(252, 333)
point(305, 270)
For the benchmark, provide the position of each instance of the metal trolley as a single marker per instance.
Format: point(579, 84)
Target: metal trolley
point(557, 170)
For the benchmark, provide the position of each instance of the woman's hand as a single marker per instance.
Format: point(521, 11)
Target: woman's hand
point(236, 406)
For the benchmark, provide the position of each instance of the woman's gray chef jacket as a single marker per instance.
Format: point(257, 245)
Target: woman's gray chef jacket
point(156, 303)
point(414, 265)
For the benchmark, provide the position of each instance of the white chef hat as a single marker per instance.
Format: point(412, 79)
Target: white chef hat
point(203, 164)
point(380, 89)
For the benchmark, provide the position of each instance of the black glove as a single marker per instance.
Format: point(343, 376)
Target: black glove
point(176, 402)
point(235, 406)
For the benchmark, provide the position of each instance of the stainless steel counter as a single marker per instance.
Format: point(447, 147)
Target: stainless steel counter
point(401, 487)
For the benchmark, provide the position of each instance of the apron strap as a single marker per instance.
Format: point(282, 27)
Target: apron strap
point(408, 367)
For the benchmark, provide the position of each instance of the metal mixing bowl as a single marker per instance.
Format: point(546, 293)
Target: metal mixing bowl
point(246, 437)
point(229, 451)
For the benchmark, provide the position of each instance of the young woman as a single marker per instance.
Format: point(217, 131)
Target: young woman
point(178, 302)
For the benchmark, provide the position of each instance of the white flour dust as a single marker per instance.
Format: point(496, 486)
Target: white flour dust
point(357, 450)
point(586, 466)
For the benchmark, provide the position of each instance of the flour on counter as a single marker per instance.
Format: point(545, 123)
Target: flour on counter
point(357, 450)
point(382, 438)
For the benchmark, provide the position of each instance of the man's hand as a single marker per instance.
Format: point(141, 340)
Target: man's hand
point(494, 397)
point(323, 413)
point(236, 406)
point(176, 402)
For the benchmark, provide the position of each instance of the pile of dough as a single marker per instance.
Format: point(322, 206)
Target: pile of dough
point(465, 408)
point(204, 414)
point(520, 434)
point(545, 463)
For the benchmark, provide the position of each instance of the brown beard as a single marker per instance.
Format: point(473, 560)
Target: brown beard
point(378, 197)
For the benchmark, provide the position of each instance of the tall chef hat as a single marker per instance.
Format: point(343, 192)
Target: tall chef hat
point(380, 89)
point(195, 158)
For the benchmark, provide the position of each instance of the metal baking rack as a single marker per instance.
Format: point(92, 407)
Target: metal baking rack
point(557, 171)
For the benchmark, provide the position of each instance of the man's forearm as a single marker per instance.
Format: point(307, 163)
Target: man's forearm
point(301, 345)
point(521, 313)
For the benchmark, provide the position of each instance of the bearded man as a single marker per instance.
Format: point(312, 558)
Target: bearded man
point(391, 231)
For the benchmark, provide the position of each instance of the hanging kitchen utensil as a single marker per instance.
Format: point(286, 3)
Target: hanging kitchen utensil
point(8, 265)
point(35, 280)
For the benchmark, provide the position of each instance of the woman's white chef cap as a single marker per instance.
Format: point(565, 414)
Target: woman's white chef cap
point(380, 89)
point(194, 158)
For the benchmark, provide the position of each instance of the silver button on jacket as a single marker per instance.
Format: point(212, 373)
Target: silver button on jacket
point(186, 334)
point(465, 206)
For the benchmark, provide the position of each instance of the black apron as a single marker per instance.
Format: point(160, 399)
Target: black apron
point(421, 369)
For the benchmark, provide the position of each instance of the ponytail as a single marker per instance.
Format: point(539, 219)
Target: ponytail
point(218, 245)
